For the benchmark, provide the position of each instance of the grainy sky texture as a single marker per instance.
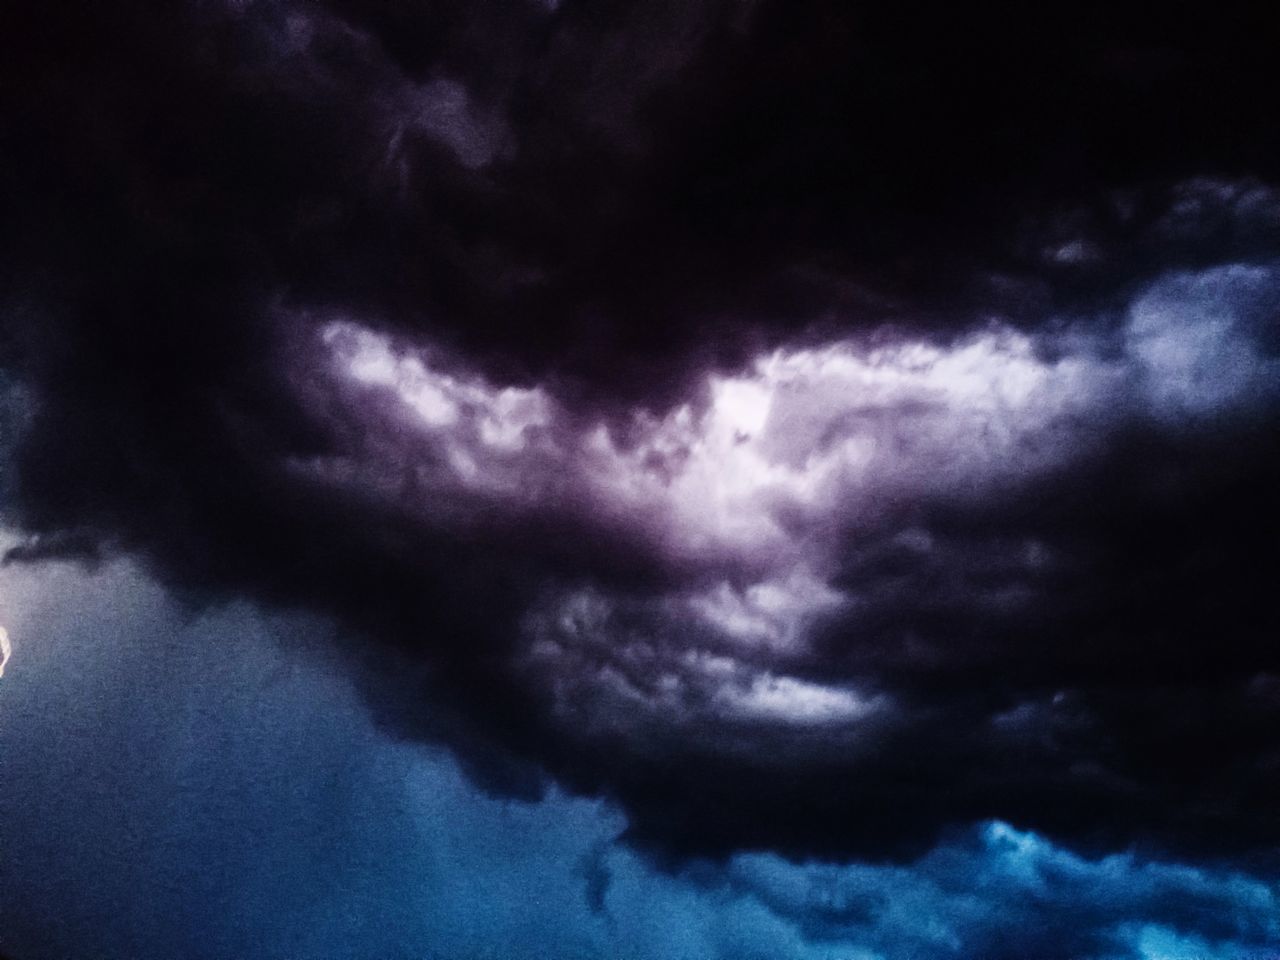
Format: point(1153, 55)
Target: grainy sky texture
point(677, 480)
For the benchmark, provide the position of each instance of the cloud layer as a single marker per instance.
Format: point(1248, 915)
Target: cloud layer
point(696, 406)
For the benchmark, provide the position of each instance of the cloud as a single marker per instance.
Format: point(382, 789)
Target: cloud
point(830, 545)
point(793, 491)
point(1000, 892)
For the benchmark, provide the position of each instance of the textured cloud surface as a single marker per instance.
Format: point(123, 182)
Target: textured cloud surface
point(813, 430)
point(838, 534)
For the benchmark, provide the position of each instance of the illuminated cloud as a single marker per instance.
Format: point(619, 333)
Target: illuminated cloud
point(762, 483)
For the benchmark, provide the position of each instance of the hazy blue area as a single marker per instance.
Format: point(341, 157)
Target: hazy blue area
point(208, 786)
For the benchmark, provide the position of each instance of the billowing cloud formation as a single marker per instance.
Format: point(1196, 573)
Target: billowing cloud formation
point(771, 501)
point(761, 485)
point(999, 892)
point(661, 411)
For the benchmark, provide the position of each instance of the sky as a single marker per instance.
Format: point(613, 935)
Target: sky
point(715, 479)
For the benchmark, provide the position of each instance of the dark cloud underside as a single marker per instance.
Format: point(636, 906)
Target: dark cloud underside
point(813, 426)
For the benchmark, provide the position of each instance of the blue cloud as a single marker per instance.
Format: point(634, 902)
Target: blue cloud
point(1001, 892)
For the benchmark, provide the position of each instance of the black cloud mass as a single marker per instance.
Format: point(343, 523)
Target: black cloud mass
point(816, 427)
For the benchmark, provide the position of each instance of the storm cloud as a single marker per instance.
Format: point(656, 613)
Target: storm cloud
point(813, 430)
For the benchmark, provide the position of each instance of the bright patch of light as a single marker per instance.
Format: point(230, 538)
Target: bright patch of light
point(789, 700)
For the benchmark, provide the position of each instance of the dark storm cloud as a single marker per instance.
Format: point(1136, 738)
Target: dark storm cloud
point(811, 427)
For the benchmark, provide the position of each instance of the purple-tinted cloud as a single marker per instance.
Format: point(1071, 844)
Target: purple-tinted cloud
point(695, 405)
